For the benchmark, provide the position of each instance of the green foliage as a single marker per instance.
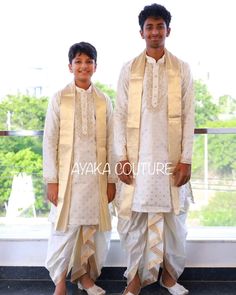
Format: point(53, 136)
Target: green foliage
point(26, 112)
point(15, 144)
point(206, 110)
point(223, 124)
point(227, 105)
point(220, 210)
point(13, 163)
point(198, 157)
point(106, 89)
point(221, 155)
point(222, 149)
point(22, 154)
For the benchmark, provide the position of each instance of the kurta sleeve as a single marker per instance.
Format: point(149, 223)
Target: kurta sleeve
point(112, 178)
point(121, 113)
point(188, 114)
point(51, 140)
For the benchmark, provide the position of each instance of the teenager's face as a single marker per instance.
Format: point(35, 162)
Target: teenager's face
point(83, 67)
point(155, 32)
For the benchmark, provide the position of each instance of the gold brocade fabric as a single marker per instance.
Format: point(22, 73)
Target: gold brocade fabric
point(143, 239)
point(83, 257)
point(67, 123)
point(134, 118)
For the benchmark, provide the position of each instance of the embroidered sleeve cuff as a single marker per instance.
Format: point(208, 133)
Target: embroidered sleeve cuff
point(122, 158)
point(50, 180)
point(186, 161)
point(112, 179)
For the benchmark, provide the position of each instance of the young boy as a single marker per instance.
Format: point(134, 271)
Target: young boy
point(76, 149)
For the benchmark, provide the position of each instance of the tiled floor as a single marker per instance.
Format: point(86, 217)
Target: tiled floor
point(35, 281)
point(113, 288)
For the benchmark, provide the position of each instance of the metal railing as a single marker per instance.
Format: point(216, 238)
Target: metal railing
point(40, 132)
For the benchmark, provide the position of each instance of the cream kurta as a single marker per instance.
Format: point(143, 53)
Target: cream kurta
point(84, 209)
point(152, 188)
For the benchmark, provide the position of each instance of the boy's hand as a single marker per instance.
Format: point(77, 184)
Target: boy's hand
point(52, 193)
point(182, 174)
point(125, 172)
point(111, 192)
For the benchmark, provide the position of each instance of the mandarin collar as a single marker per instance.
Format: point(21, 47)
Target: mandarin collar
point(81, 90)
point(152, 60)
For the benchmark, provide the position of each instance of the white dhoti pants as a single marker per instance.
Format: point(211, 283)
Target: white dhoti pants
point(150, 239)
point(74, 250)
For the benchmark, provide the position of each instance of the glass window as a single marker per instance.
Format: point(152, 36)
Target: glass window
point(35, 38)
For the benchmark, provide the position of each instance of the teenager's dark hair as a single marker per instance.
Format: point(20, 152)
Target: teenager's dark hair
point(82, 47)
point(154, 10)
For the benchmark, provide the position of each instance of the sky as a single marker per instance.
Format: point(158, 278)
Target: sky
point(36, 34)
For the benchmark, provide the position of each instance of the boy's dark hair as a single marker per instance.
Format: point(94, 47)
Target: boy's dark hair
point(156, 11)
point(82, 47)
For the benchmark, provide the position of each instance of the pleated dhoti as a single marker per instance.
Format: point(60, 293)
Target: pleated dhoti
point(74, 250)
point(151, 239)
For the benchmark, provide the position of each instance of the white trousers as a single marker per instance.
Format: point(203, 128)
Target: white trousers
point(151, 239)
point(74, 250)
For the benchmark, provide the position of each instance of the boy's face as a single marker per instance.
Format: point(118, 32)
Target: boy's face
point(83, 67)
point(155, 32)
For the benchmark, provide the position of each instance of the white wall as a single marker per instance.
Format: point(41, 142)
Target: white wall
point(200, 253)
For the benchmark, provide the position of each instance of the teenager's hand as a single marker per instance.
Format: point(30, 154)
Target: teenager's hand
point(124, 172)
point(111, 192)
point(52, 193)
point(182, 174)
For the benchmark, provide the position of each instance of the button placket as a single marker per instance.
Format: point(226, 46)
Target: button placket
point(155, 79)
point(84, 111)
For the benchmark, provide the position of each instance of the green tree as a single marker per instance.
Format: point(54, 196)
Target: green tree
point(13, 163)
point(220, 210)
point(108, 90)
point(205, 109)
point(198, 157)
point(222, 149)
point(227, 105)
point(26, 112)
point(22, 154)
point(221, 152)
